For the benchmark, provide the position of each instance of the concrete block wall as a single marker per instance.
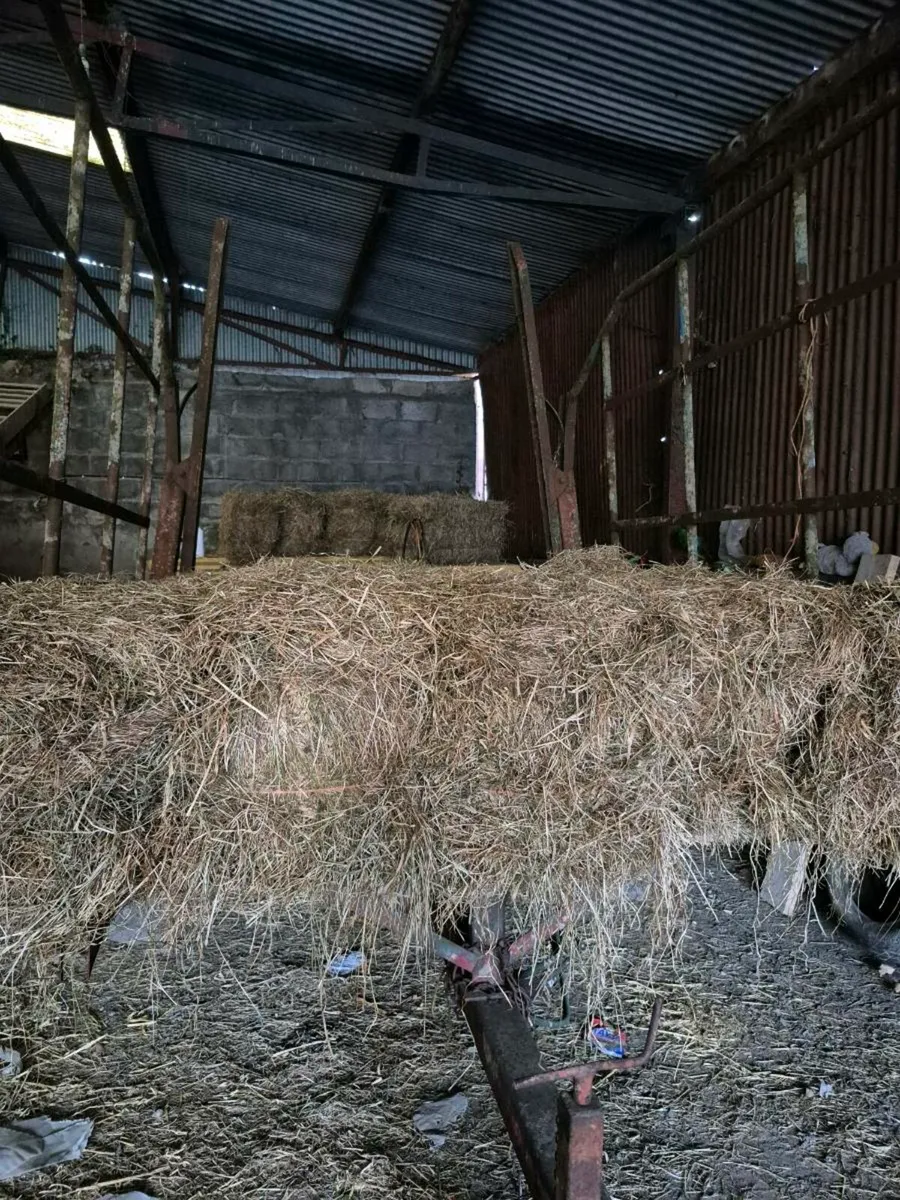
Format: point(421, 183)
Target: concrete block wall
point(267, 430)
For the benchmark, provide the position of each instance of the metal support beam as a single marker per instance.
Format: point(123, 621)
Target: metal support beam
point(609, 439)
point(783, 179)
point(410, 154)
point(23, 477)
point(202, 399)
point(682, 493)
point(146, 492)
point(882, 498)
point(806, 350)
point(198, 134)
point(65, 340)
point(117, 404)
point(26, 189)
point(345, 112)
point(66, 48)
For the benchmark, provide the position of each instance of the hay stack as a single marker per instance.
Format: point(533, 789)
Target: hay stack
point(353, 518)
point(452, 529)
point(443, 528)
point(346, 736)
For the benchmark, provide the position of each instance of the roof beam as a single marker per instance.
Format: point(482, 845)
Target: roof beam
point(354, 114)
point(408, 149)
point(877, 49)
point(335, 164)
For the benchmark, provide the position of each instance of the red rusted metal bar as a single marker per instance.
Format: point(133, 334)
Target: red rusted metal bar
point(582, 1075)
point(278, 343)
point(203, 396)
point(65, 340)
point(806, 450)
point(421, 360)
point(782, 508)
point(27, 273)
point(117, 404)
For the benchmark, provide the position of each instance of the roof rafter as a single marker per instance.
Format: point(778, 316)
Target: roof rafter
point(406, 152)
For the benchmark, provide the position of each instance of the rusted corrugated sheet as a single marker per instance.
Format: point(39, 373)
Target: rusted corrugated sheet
point(567, 324)
point(747, 404)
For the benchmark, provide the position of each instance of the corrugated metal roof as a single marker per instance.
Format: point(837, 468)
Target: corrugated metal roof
point(641, 93)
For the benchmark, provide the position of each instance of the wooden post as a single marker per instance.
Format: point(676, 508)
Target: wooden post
point(144, 503)
point(537, 402)
point(203, 395)
point(609, 439)
point(65, 338)
point(117, 405)
point(682, 442)
point(171, 496)
point(805, 370)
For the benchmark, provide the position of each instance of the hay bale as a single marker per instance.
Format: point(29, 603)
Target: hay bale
point(453, 528)
point(357, 738)
point(249, 526)
point(254, 525)
point(353, 518)
point(302, 523)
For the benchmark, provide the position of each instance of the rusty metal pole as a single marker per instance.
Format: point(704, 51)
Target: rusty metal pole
point(65, 335)
point(805, 369)
point(159, 331)
point(171, 496)
point(683, 401)
point(117, 405)
point(609, 440)
point(203, 397)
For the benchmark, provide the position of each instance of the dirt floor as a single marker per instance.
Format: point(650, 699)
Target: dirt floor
point(248, 1076)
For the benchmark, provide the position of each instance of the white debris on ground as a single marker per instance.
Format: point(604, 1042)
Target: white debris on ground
point(250, 1073)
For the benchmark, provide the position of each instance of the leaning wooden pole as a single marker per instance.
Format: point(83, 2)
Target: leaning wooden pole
point(117, 404)
point(203, 396)
point(65, 338)
point(171, 494)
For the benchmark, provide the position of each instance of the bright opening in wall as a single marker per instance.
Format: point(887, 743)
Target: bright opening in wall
point(53, 135)
point(480, 491)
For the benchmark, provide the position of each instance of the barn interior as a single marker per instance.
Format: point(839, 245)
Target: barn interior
point(449, 628)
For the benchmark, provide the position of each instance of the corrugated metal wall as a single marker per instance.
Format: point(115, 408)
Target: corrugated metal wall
point(30, 307)
point(746, 405)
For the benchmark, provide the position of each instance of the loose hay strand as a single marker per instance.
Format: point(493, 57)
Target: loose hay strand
point(353, 737)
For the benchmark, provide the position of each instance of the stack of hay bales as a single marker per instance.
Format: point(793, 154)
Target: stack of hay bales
point(441, 528)
point(364, 738)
